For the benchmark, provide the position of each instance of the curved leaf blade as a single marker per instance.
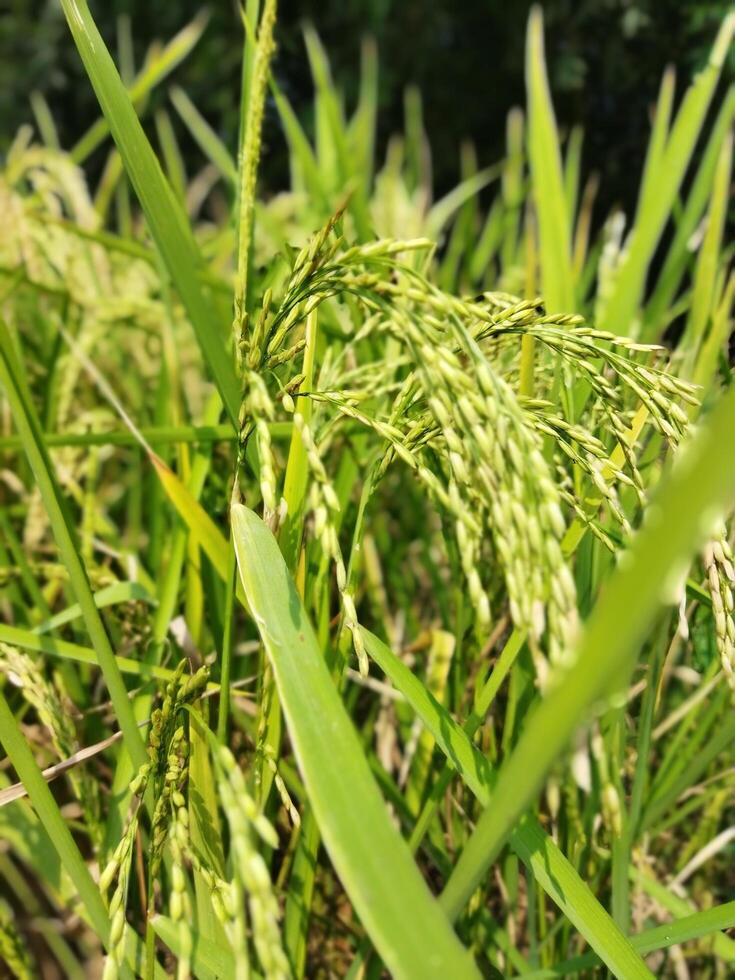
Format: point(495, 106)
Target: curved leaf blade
point(547, 176)
point(532, 844)
point(698, 489)
point(166, 220)
point(404, 921)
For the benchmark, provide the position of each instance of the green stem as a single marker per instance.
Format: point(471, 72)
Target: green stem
point(54, 824)
point(28, 426)
point(154, 435)
point(525, 383)
point(226, 664)
point(528, 343)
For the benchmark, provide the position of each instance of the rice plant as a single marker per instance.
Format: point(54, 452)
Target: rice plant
point(367, 572)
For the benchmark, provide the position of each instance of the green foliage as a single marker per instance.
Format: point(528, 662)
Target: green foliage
point(385, 522)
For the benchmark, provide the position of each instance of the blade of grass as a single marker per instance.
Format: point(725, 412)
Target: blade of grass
point(65, 650)
point(200, 524)
point(209, 961)
point(572, 170)
point(153, 436)
point(363, 126)
point(303, 875)
point(171, 153)
point(335, 134)
point(513, 186)
point(659, 133)
point(535, 848)
point(158, 67)
point(205, 829)
point(700, 486)
point(167, 222)
point(679, 254)
point(544, 156)
point(111, 595)
point(653, 213)
point(704, 294)
point(375, 866)
point(227, 640)
point(20, 755)
point(29, 429)
point(168, 592)
point(714, 343)
point(208, 141)
point(303, 162)
point(18, 555)
point(484, 697)
point(415, 140)
point(690, 774)
point(724, 946)
point(447, 206)
point(44, 120)
point(686, 928)
point(694, 926)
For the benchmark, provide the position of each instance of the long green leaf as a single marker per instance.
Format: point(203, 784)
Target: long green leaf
point(555, 238)
point(154, 435)
point(19, 753)
point(49, 645)
point(679, 255)
point(363, 126)
point(659, 133)
point(157, 68)
point(704, 295)
point(166, 220)
point(724, 946)
point(682, 930)
point(28, 426)
point(716, 339)
point(694, 926)
point(655, 209)
point(332, 134)
point(444, 209)
point(535, 848)
point(209, 142)
point(209, 961)
point(699, 488)
point(403, 920)
point(111, 595)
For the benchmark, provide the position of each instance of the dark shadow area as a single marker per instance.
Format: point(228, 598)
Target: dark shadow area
point(605, 63)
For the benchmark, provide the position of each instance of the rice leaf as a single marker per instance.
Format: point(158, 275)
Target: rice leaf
point(166, 220)
point(679, 255)
point(158, 67)
point(555, 238)
point(375, 866)
point(111, 595)
point(209, 142)
point(209, 961)
point(655, 209)
point(684, 911)
point(28, 426)
point(19, 753)
point(704, 295)
point(699, 488)
point(535, 848)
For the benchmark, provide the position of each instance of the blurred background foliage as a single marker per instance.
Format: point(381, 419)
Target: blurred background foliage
point(605, 59)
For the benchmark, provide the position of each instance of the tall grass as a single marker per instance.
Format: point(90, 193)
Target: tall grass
point(367, 579)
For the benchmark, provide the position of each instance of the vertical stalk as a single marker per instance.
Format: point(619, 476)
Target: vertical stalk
point(255, 78)
point(525, 383)
point(226, 664)
point(296, 917)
